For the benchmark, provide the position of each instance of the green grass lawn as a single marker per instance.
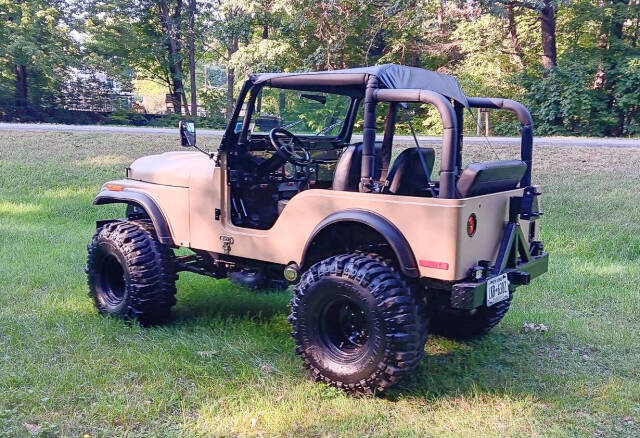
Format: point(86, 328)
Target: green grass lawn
point(225, 364)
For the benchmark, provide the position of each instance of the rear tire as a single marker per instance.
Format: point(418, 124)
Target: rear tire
point(457, 324)
point(130, 274)
point(356, 324)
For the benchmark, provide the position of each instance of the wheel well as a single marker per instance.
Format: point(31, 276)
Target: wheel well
point(135, 211)
point(145, 206)
point(344, 237)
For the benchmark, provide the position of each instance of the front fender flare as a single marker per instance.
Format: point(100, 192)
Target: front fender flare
point(145, 202)
point(393, 236)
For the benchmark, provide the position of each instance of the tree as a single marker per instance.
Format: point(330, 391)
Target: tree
point(147, 37)
point(170, 15)
point(548, 28)
point(513, 32)
point(36, 48)
point(546, 11)
point(230, 23)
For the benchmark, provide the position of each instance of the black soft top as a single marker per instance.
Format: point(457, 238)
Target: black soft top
point(353, 81)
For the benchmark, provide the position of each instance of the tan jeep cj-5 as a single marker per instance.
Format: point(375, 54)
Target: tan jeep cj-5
point(379, 251)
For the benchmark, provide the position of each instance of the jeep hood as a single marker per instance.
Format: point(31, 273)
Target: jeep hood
point(170, 168)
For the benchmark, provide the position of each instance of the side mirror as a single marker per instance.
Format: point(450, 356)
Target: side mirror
point(187, 133)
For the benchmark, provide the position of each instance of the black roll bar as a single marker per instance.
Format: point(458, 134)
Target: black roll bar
point(524, 117)
point(367, 169)
point(448, 161)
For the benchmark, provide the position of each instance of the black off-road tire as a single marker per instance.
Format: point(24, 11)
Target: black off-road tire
point(456, 324)
point(130, 274)
point(385, 335)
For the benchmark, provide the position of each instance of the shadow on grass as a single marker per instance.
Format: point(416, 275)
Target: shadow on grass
point(202, 298)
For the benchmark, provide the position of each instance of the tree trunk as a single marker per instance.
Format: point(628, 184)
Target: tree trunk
point(548, 26)
point(183, 95)
point(192, 57)
point(173, 50)
point(413, 52)
point(513, 33)
point(440, 14)
point(231, 78)
point(22, 90)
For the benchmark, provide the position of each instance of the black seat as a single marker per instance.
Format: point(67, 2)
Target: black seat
point(347, 173)
point(490, 177)
point(407, 176)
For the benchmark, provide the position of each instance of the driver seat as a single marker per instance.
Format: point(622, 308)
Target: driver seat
point(347, 174)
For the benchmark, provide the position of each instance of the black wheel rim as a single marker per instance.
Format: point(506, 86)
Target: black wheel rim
point(344, 328)
point(112, 281)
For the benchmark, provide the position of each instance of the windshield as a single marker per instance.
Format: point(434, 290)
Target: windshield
point(300, 112)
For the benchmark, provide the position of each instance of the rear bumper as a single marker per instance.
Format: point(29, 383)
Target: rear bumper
point(472, 294)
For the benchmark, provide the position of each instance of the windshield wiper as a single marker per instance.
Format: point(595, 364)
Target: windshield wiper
point(292, 124)
point(329, 128)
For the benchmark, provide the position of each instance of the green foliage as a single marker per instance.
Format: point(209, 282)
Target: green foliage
point(627, 97)
point(34, 39)
point(213, 101)
point(564, 103)
point(493, 47)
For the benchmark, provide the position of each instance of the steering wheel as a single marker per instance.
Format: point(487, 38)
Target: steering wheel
point(289, 147)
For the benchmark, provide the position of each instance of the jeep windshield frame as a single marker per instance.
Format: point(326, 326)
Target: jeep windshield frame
point(246, 135)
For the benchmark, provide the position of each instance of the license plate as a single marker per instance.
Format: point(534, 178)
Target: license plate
point(497, 289)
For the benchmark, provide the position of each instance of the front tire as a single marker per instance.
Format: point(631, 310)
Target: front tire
point(130, 274)
point(356, 324)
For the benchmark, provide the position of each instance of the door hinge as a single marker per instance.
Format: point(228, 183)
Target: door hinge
point(217, 213)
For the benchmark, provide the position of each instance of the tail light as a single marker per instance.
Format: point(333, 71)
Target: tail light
point(472, 224)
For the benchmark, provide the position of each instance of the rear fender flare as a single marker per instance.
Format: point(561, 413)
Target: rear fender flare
point(143, 201)
point(393, 236)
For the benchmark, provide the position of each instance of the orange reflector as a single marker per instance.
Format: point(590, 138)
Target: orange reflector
point(114, 187)
point(472, 222)
point(434, 265)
